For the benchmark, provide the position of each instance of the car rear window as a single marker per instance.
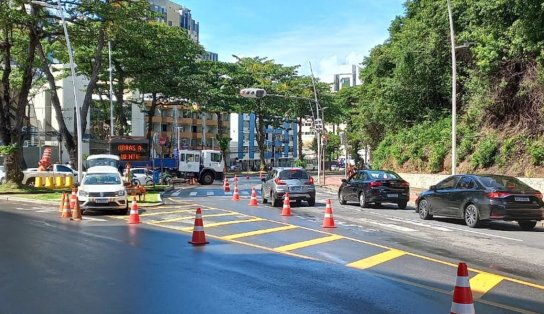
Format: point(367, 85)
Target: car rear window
point(504, 183)
point(382, 175)
point(293, 174)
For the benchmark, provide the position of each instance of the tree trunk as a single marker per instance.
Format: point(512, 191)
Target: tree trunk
point(220, 138)
point(91, 87)
point(5, 120)
point(261, 134)
point(69, 143)
point(150, 115)
point(121, 120)
point(299, 135)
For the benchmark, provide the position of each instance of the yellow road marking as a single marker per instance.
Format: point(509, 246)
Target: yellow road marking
point(376, 259)
point(191, 217)
point(482, 283)
point(224, 223)
point(303, 244)
point(257, 232)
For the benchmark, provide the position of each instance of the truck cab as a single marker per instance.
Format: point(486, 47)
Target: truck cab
point(204, 165)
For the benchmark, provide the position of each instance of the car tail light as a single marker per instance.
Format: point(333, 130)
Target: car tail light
point(279, 182)
point(405, 184)
point(538, 195)
point(310, 181)
point(498, 194)
point(375, 183)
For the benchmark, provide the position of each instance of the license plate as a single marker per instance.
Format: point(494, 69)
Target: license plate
point(521, 199)
point(392, 195)
point(295, 189)
point(101, 200)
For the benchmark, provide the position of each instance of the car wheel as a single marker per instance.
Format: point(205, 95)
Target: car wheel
point(30, 182)
point(298, 202)
point(341, 199)
point(402, 205)
point(311, 201)
point(472, 216)
point(527, 225)
point(149, 182)
point(276, 202)
point(263, 197)
point(362, 200)
point(135, 182)
point(423, 208)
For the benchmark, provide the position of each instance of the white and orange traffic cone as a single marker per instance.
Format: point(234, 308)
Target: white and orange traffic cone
point(286, 210)
point(226, 186)
point(199, 237)
point(134, 217)
point(253, 200)
point(236, 194)
point(462, 294)
point(328, 221)
point(73, 198)
point(66, 211)
point(76, 212)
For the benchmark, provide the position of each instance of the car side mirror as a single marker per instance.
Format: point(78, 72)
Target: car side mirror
point(344, 180)
point(433, 188)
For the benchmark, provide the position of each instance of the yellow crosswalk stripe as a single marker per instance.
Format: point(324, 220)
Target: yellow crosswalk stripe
point(257, 232)
point(303, 244)
point(376, 259)
point(482, 283)
point(190, 217)
point(224, 223)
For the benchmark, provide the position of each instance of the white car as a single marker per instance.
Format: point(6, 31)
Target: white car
point(2, 175)
point(141, 176)
point(102, 189)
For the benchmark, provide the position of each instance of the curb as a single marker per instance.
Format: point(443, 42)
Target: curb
point(26, 200)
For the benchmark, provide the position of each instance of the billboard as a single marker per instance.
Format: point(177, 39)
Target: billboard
point(130, 148)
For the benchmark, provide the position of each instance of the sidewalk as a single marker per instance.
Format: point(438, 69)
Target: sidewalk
point(333, 182)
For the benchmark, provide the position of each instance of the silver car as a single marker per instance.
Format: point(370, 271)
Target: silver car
point(2, 175)
point(281, 180)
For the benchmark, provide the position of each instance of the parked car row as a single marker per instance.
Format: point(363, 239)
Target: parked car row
point(477, 199)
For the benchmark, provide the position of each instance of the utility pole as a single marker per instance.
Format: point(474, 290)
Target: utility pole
point(318, 130)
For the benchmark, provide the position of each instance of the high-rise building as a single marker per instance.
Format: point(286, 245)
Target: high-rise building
point(280, 143)
point(346, 79)
point(174, 14)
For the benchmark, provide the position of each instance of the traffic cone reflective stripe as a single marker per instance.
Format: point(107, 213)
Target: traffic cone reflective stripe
point(236, 194)
point(286, 210)
point(199, 237)
point(253, 200)
point(66, 212)
point(463, 302)
point(328, 221)
point(134, 217)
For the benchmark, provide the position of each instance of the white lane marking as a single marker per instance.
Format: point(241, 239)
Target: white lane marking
point(93, 219)
point(46, 211)
point(209, 193)
point(245, 193)
point(392, 226)
point(177, 193)
point(228, 193)
point(193, 193)
point(20, 208)
point(487, 234)
point(331, 257)
point(417, 223)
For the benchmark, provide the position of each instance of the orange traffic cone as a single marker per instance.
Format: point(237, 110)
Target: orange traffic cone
point(73, 198)
point(134, 217)
point(199, 237)
point(328, 221)
point(66, 211)
point(462, 294)
point(286, 210)
point(64, 196)
point(253, 200)
point(236, 194)
point(226, 185)
point(76, 212)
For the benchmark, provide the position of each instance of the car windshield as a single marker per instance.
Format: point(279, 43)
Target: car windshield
point(503, 183)
point(293, 174)
point(102, 178)
point(382, 175)
point(102, 162)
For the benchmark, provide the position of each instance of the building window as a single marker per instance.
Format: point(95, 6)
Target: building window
point(194, 129)
point(164, 127)
point(169, 23)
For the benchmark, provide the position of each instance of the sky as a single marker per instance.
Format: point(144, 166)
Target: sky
point(331, 34)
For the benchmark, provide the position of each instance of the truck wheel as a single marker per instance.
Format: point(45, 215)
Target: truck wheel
point(207, 178)
point(30, 182)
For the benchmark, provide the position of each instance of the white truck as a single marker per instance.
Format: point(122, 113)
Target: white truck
point(29, 175)
point(204, 165)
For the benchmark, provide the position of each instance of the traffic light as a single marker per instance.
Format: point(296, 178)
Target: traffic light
point(252, 92)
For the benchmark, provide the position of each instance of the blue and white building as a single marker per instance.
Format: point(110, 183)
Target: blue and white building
point(280, 145)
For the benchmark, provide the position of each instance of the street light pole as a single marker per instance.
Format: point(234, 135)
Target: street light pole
point(453, 94)
point(110, 69)
point(318, 130)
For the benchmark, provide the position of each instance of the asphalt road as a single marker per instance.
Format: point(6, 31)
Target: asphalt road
point(376, 260)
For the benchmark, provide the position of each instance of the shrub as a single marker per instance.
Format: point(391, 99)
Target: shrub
point(485, 153)
point(536, 152)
